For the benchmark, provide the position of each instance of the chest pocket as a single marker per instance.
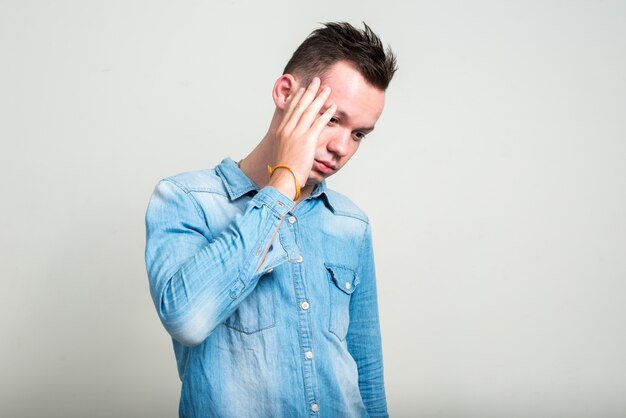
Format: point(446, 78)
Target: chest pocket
point(257, 311)
point(342, 282)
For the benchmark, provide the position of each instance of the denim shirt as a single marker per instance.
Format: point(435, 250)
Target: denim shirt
point(272, 308)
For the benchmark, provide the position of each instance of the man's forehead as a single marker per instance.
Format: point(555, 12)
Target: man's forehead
point(341, 73)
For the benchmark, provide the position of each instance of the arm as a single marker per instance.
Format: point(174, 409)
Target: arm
point(196, 283)
point(363, 338)
point(198, 280)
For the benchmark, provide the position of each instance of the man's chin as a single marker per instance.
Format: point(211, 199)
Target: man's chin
point(316, 178)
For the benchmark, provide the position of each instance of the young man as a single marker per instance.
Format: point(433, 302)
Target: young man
point(263, 276)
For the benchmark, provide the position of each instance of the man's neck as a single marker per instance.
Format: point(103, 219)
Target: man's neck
point(254, 165)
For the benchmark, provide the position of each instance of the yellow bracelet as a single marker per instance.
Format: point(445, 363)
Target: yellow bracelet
point(295, 178)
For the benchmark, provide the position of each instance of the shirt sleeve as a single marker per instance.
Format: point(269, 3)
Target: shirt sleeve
point(364, 338)
point(197, 280)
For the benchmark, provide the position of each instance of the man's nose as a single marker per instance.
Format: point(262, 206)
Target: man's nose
point(339, 143)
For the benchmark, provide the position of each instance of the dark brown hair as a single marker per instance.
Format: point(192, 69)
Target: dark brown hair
point(340, 41)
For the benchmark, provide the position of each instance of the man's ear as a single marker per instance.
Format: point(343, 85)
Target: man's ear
point(285, 86)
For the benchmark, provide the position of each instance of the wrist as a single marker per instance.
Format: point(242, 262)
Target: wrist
point(283, 181)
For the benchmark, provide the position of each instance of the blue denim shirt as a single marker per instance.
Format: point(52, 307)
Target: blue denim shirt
point(272, 308)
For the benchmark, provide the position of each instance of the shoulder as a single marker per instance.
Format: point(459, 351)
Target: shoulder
point(207, 180)
point(344, 206)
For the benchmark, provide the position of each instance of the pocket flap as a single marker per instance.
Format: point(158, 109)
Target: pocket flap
point(344, 278)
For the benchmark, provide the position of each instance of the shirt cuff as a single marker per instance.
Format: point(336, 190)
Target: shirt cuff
point(277, 202)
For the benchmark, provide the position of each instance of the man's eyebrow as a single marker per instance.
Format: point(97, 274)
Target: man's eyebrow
point(343, 115)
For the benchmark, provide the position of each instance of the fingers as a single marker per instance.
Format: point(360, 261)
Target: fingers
point(298, 107)
point(292, 102)
point(322, 121)
point(313, 110)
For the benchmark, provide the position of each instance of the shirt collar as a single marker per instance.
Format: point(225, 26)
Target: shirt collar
point(237, 183)
point(321, 190)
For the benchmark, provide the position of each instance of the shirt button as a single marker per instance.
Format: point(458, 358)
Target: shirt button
point(304, 305)
point(299, 259)
point(315, 407)
point(348, 285)
point(292, 219)
point(269, 271)
point(308, 355)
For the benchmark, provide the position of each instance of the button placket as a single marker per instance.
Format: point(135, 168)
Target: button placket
point(304, 309)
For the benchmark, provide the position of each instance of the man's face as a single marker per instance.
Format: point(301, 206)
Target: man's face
point(359, 106)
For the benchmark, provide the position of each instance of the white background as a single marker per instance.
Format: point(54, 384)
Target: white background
point(495, 183)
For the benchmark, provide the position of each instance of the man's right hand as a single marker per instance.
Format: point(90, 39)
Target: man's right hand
point(297, 135)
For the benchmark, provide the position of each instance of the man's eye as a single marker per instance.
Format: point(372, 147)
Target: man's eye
point(333, 120)
point(359, 135)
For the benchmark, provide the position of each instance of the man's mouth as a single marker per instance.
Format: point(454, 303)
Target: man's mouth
point(325, 166)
